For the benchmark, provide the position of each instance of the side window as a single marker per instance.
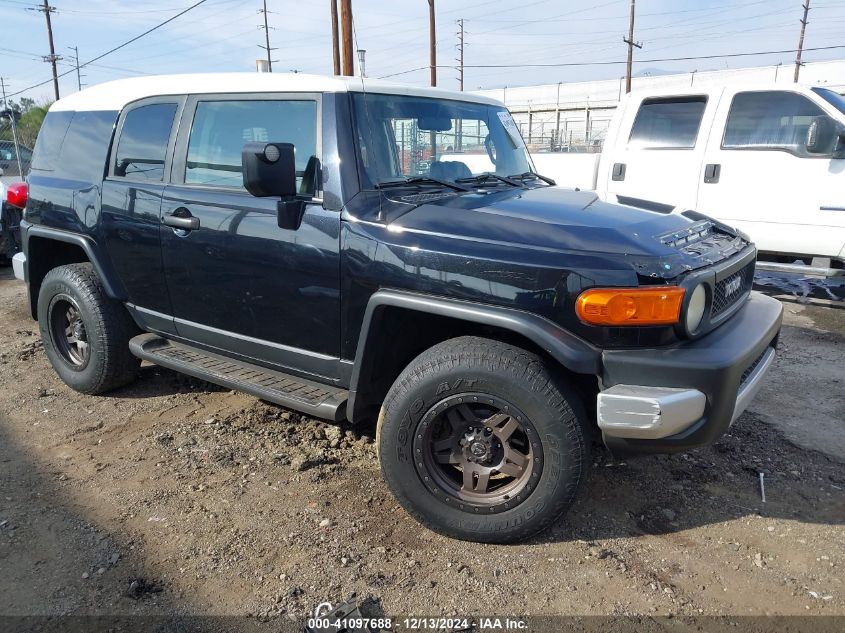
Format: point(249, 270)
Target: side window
point(48, 145)
point(143, 142)
point(668, 123)
point(769, 120)
point(221, 128)
point(85, 150)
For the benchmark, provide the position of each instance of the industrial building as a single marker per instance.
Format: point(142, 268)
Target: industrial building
point(575, 116)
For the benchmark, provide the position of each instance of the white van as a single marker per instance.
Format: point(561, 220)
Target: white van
point(768, 160)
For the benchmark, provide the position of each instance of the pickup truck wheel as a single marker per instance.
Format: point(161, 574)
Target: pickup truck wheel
point(479, 441)
point(85, 333)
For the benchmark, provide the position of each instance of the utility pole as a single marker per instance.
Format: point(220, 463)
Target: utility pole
point(335, 40)
point(267, 39)
point(14, 126)
point(346, 37)
point(75, 59)
point(631, 44)
point(804, 23)
point(461, 53)
point(432, 43)
point(46, 9)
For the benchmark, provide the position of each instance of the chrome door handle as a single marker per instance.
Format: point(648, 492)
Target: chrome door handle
point(183, 221)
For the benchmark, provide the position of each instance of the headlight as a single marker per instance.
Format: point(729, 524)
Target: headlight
point(695, 308)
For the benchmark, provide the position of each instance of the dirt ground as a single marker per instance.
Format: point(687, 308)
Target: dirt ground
point(173, 496)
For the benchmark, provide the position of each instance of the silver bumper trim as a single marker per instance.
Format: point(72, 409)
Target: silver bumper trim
point(752, 384)
point(632, 411)
point(18, 262)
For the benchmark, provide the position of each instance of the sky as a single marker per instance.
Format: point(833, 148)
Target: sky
point(223, 35)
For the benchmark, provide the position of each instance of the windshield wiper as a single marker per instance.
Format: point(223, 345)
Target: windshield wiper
point(489, 175)
point(421, 180)
point(531, 174)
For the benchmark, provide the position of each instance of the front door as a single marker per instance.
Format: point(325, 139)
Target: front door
point(237, 281)
point(766, 183)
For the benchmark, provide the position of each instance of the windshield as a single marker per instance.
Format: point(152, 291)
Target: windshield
point(836, 100)
point(403, 137)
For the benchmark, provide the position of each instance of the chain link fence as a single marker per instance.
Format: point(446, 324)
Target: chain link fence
point(15, 147)
point(550, 129)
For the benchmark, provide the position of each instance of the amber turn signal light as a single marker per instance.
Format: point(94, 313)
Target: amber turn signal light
point(659, 305)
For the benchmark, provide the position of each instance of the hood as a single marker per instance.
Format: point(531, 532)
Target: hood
point(572, 221)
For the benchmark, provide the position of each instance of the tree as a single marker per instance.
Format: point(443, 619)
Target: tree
point(29, 117)
point(30, 123)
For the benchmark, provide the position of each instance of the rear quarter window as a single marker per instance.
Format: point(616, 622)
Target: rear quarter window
point(86, 146)
point(671, 123)
point(51, 136)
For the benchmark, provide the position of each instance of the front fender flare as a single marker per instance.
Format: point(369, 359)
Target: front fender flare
point(572, 352)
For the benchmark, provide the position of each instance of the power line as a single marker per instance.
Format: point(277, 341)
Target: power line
point(116, 48)
point(617, 62)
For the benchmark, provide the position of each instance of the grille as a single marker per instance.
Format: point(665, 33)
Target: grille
point(731, 289)
point(752, 367)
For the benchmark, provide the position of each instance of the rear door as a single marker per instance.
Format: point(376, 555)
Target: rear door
point(131, 205)
point(657, 156)
point(759, 177)
point(238, 282)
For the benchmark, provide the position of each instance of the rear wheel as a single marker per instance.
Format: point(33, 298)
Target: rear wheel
point(478, 440)
point(85, 333)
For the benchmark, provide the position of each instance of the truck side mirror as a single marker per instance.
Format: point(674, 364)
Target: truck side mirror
point(269, 169)
point(822, 135)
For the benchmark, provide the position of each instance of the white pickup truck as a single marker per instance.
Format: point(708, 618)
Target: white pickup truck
point(768, 160)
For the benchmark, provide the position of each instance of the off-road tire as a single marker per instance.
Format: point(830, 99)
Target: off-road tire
point(468, 369)
point(107, 325)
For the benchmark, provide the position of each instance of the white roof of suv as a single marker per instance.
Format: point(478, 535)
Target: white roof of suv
point(114, 95)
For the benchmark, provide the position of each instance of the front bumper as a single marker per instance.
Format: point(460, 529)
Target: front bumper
point(673, 399)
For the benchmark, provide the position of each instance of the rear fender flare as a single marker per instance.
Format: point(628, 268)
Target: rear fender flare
point(111, 283)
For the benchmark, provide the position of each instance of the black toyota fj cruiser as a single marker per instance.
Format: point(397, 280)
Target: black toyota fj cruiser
point(370, 251)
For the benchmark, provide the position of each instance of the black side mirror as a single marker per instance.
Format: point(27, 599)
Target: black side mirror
point(269, 169)
point(822, 135)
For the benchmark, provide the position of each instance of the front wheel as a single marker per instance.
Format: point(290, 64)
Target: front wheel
point(478, 440)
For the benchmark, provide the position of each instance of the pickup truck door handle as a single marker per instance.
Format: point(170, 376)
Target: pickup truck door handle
point(181, 218)
point(619, 170)
point(712, 173)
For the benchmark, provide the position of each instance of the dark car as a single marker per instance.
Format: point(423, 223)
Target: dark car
point(300, 238)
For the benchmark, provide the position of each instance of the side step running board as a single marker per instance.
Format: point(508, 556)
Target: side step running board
point(801, 269)
point(312, 398)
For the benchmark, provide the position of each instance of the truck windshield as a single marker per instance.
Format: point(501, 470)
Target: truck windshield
point(836, 100)
point(426, 140)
